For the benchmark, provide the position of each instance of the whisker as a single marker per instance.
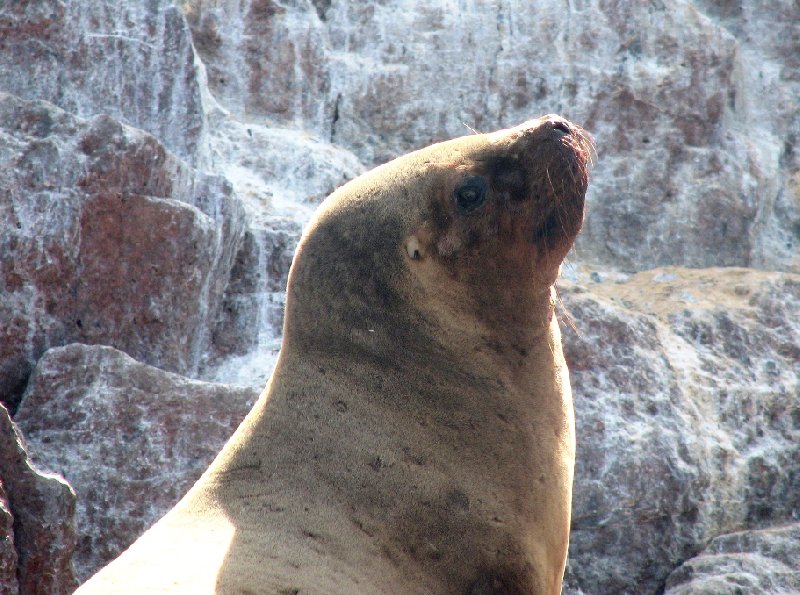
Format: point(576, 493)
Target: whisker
point(564, 315)
point(470, 128)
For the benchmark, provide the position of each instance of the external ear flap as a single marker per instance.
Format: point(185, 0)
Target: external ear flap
point(414, 248)
point(418, 243)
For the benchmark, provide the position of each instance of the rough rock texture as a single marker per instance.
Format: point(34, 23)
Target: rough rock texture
point(130, 438)
point(42, 507)
point(131, 60)
point(266, 60)
point(173, 246)
point(106, 238)
point(262, 264)
point(693, 104)
point(765, 561)
point(686, 389)
point(275, 170)
point(8, 553)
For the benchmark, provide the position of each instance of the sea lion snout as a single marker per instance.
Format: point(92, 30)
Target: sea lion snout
point(553, 152)
point(559, 153)
point(512, 195)
point(551, 124)
point(560, 125)
point(540, 168)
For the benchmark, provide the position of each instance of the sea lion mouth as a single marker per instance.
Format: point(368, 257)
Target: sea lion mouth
point(557, 158)
point(545, 165)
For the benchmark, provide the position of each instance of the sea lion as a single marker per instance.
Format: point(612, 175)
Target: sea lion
point(417, 433)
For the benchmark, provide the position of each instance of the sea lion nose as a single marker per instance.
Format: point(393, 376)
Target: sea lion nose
point(559, 125)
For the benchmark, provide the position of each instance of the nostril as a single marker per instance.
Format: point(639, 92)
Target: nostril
point(560, 125)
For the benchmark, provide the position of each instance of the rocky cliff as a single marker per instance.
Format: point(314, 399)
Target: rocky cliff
point(158, 160)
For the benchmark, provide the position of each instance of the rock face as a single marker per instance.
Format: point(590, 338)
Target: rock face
point(131, 60)
point(159, 159)
point(36, 522)
point(8, 553)
point(686, 391)
point(766, 561)
point(693, 104)
point(107, 238)
point(130, 438)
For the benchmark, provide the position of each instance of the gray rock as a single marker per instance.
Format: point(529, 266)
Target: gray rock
point(8, 551)
point(686, 388)
point(129, 437)
point(264, 58)
point(131, 60)
point(36, 552)
point(764, 561)
point(240, 305)
point(693, 104)
point(278, 170)
point(255, 294)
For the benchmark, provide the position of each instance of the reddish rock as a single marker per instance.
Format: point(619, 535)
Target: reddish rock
point(107, 238)
point(142, 266)
point(129, 437)
point(43, 509)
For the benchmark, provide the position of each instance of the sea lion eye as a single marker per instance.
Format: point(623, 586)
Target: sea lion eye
point(471, 194)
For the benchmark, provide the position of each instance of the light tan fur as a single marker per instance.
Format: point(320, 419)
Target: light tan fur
point(417, 433)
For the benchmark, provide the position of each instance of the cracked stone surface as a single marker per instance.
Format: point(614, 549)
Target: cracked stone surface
point(130, 438)
point(158, 161)
point(37, 524)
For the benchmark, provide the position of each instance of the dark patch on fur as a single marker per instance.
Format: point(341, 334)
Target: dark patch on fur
point(439, 216)
point(497, 583)
point(508, 178)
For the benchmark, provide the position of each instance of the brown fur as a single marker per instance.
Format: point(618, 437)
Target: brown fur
point(417, 433)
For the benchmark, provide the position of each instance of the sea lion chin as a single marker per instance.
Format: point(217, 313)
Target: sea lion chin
point(417, 433)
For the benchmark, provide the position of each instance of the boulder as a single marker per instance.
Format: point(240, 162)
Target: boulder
point(685, 385)
point(759, 561)
point(37, 522)
point(131, 60)
point(130, 438)
point(107, 238)
point(8, 552)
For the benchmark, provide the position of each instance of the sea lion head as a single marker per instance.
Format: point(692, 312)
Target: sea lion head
point(508, 202)
point(482, 219)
